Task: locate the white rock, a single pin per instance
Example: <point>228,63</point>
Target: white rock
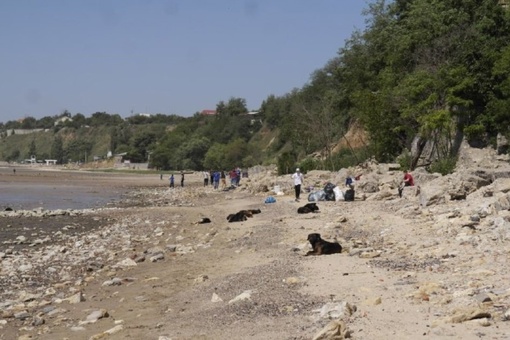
<point>246,295</point>
<point>215,298</point>
<point>127,263</point>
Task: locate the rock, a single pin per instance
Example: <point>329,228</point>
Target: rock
<point>201,279</point>
<point>246,295</point>
<point>154,251</point>
<point>466,315</point>
<point>483,298</point>
<point>27,297</point>
<point>37,321</point>
<point>127,263</point>
<point>104,334</point>
<point>113,282</point>
<point>292,280</point>
<point>157,257</point>
<point>21,239</point>
<point>369,254</point>
<point>94,316</point>
<point>138,258</point>
<point>336,310</point>
<point>25,268</point>
<point>171,247</point>
<point>215,298</point>
<point>335,330</point>
<point>373,301</point>
<point>76,298</point>
<point>22,315</point>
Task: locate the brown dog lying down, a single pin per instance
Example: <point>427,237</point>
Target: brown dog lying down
<point>242,215</point>
<point>308,208</point>
<point>321,247</point>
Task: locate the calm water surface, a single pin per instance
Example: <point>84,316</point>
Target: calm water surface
<point>27,189</point>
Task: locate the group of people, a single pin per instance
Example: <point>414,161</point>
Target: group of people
<point>235,177</point>
<point>407,181</point>
<point>172,180</point>
<point>217,177</point>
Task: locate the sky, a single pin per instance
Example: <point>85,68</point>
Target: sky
<point>162,56</point>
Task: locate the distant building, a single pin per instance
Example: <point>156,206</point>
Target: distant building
<point>62,120</point>
<point>208,112</point>
<point>144,114</point>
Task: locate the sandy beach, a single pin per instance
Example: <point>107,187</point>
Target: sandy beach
<point>145,269</point>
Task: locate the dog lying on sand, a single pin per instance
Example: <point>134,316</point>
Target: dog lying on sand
<point>308,208</point>
<point>242,215</point>
<point>322,247</point>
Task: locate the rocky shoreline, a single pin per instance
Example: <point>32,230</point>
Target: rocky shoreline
<point>433,263</point>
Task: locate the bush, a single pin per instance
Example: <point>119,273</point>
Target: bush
<point>476,135</point>
<point>405,160</point>
<point>308,164</point>
<point>345,158</point>
<point>443,166</point>
<point>286,163</point>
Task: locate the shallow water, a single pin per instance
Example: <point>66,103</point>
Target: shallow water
<point>19,196</point>
<point>30,190</point>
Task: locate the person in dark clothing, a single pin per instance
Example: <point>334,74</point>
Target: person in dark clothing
<point>182,179</point>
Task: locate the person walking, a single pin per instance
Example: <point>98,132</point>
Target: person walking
<point>206,178</point>
<point>298,181</point>
<point>216,179</point>
<point>182,179</point>
<point>238,174</point>
<point>223,180</point>
<point>171,180</point>
<point>233,177</point>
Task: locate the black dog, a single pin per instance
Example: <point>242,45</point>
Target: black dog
<point>237,217</point>
<point>242,215</point>
<point>308,208</point>
<point>321,247</point>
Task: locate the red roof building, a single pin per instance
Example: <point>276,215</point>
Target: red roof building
<point>208,112</point>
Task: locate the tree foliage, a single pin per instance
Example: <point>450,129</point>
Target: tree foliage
<point>427,70</point>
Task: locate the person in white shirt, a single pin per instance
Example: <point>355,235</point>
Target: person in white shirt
<point>298,181</point>
<point>206,178</point>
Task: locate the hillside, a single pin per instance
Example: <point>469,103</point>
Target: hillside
<point>82,144</point>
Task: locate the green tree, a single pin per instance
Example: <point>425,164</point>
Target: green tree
<point>32,149</point>
<point>234,107</point>
<point>14,156</point>
<point>191,153</point>
<point>57,150</point>
<point>215,157</point>
<point>29,123</point>
<point>46,122</point>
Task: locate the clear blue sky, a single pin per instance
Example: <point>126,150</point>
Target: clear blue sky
<point>162,56</point>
